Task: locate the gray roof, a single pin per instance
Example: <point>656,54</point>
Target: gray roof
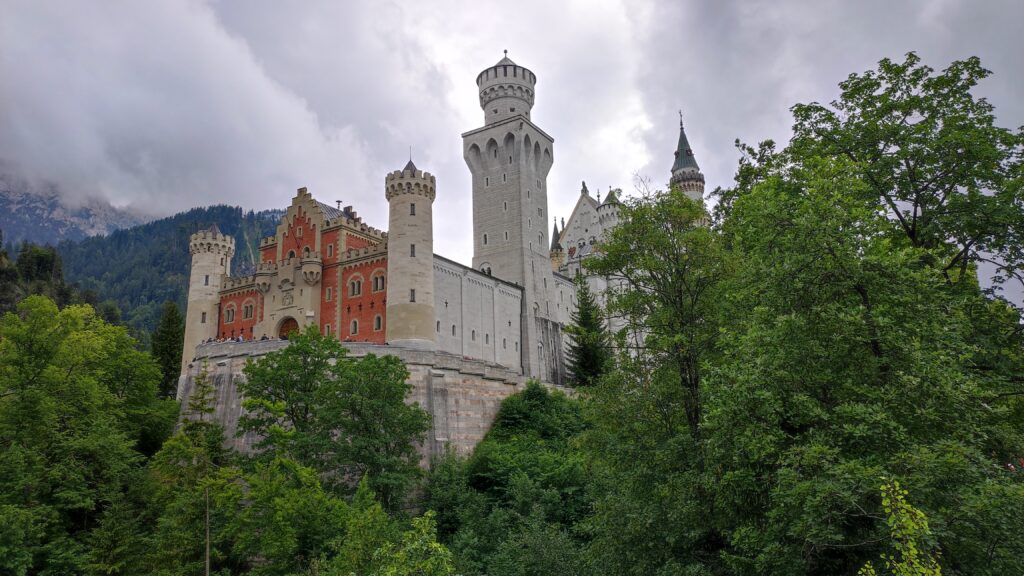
<point>409,166</point>
<point>505,61</point>
<point>330,212</point>
<point>554,238</point>
<point>684,154</point>
<point>611,198</point>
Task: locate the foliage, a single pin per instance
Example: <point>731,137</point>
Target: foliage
<point>417,554</point>
<point>589,351</point>
<point>344,417</point>
<point>77,402</point>
<point>167,342</point>
<point>512,506</point>
<point>908,529</point>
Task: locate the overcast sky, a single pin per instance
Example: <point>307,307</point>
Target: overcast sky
<point>163,105</point>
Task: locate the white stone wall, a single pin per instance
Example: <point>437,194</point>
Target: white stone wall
<point>484,311</point>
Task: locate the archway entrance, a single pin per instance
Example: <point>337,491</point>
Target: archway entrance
<point>288,325</point>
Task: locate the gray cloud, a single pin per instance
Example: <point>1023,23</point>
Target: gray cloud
<point>166,105</point>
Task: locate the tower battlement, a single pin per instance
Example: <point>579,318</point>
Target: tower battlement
<point>410,181</point>
<point>211,240</point>
<point>506,90</point>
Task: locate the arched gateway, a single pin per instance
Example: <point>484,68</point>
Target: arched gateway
<point>288,325</point>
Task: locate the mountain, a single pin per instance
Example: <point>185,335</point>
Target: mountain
<point>34,212</point>
<point>143,266</point>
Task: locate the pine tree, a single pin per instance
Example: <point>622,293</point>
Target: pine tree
<point>167,342</point>
<point>589,352</point>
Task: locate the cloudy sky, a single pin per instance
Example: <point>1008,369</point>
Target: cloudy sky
<point>165,105</point>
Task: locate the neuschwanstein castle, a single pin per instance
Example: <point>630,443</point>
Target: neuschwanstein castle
<point>470,336</point>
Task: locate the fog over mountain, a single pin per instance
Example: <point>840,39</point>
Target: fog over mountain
<point>161,106</point>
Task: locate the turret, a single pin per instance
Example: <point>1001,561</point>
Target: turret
<point>506,90</point>
<point>608,211</point>
<point>685,172</point>
<point>410,281</point>
<point>557,253</point>
<point>211,263</point>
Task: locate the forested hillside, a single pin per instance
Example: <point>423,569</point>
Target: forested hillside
<point>140,268</point>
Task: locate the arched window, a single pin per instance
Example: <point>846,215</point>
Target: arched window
<point>305,252</point>
<point>229,314</point>
<point>473,335</point>
<point>487,338</point>
<point>438,327</point>
<point>355,287</point>
<point>327,329</point>
<point>453,329</point>
<point>291,254</point>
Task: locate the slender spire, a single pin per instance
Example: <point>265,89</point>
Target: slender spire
<point>555,245</point>
<point>684,154</point>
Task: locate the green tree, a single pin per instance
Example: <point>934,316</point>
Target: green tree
<point>344,417</point>
<point>167,342</point>
<point>76,400</point>
<point>589,351</point>
<point>417,554</point>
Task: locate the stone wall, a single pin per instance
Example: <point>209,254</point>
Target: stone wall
<point>462,395</point>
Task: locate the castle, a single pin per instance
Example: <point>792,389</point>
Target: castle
<point>470,336</point>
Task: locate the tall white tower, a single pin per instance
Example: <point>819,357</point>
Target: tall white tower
<point>509,158</point>
<point>410,312</point>
<point>211,263</point>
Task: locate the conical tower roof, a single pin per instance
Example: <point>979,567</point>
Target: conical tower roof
<point>684,154</point>
<point>555,245</point>
<point>409,166</point>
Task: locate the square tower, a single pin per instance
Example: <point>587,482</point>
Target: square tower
<point>509,159</point>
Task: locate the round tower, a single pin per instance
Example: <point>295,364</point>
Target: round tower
<point>506,90</point>
<point>410,284</point>
<point>608,212</point>
<point>211,263</point>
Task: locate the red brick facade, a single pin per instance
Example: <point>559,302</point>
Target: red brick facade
<point>239,312</point>
<point>367,307</point>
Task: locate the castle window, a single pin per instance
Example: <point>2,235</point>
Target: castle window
<point>247,311</point>
<point>487,181</point>
<point>378,323</point>
<point>327,329</point>
<point>510,156</point>
<point>299,232</point>
<point>378,282</point>
<point>206,280</point>
<point>527,193</point>
<point>330,293</point>
<point>412,209</point>
<point>291,254</point>
<point>495,150</point>
<point>412,294</point>
<point>504,206</point>
<point>438,329</point>
<point>453,329</point>
<point>473,335</point>
<point>305,252</point>
<point>512,109</point>
<point>485,239</point>
<point>355,287</point>
<point>504,343</point>
<point>354,328</point>
<point>221,261</point>
<point>203,319</point>
<point>412,250</point>
<point>517,346</point>
<point>503,177</point>
<point>487,338</point>
<point>229,315</point>
<point>495,111</point>
<point>330,250</point>
<point>506,236</point>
